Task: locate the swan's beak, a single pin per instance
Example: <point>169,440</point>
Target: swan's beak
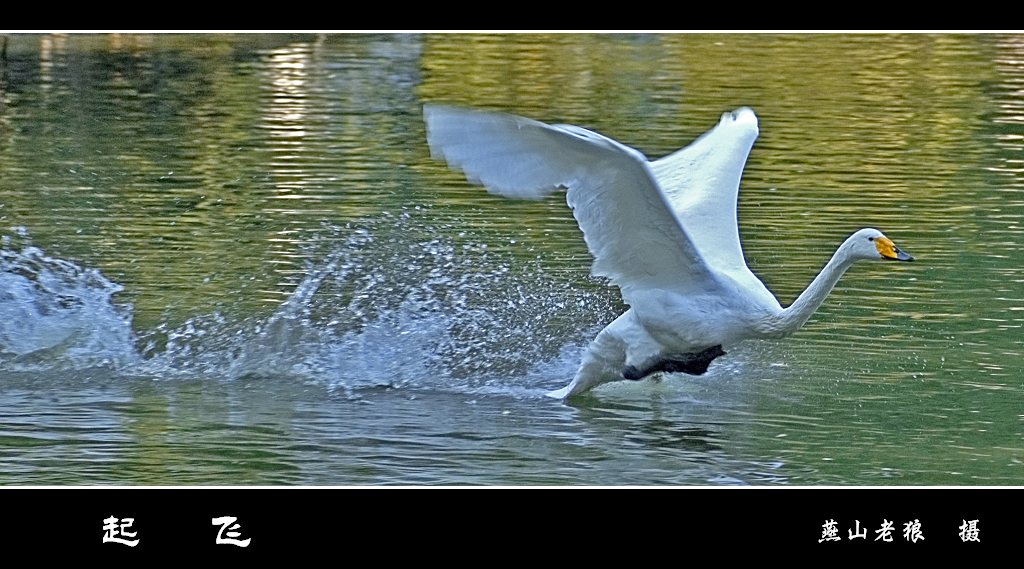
<point>888,250</point>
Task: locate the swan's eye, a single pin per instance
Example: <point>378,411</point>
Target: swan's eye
<point>871,238</point>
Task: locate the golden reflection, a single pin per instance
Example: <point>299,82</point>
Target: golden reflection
<point>50,47</point>
<point>1009,61</point>
<point>286,73</point>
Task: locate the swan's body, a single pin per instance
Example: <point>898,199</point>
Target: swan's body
<point>665,232</point>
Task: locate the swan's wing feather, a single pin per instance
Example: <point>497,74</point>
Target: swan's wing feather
<point>702,182</point>
<point>636,239</point>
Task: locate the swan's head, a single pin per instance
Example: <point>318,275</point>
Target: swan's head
<point>872,244</point>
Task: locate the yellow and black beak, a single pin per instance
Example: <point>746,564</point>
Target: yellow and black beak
<point>888,250</point>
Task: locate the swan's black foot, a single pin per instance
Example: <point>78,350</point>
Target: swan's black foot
<point>694,364</point>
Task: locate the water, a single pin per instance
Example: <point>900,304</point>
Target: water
<point>230,260</point>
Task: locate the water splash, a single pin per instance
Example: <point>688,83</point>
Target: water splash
<point>373,311</point>
<point>417,312</point>
<point>57,315</point>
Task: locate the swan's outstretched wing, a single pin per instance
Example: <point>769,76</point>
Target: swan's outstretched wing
<point>636,239</point>
<point>702,182</point>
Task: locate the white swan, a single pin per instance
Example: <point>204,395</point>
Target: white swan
<point>664,232</point>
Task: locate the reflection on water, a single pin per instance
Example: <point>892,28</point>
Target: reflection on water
<point>230,260</point>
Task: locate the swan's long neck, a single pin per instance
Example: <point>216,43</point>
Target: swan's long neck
<point>795,315</point>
